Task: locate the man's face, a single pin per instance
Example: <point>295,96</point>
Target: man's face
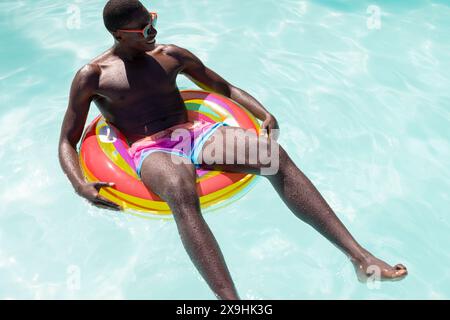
<point>136,40</point>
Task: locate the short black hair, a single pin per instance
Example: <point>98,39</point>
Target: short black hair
<point>118,13</point>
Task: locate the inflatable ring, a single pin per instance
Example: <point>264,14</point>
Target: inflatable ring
<point>104,157</point>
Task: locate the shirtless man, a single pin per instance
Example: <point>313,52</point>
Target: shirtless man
<point>134,86</point>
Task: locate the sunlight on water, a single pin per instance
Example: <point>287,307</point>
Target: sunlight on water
<point>361,93</point>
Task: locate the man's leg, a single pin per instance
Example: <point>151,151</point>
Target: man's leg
<point>176,184</point>
<point>297,192</point>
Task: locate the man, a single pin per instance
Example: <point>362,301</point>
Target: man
<point>134,86</point>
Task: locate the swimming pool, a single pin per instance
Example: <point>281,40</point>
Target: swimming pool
<point>361,93</point>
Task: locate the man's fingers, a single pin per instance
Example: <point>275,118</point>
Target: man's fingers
<point>99,185</point>
<point>263,126</point>
<point>102,206</point>
<point>264,131</point>
<point>105,184</point>
<point>103,201</point>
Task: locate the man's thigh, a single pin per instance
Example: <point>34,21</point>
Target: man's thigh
<point>235,149</point>
<point>163,172</point>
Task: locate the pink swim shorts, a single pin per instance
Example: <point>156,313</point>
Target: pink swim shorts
<point>184,143</point>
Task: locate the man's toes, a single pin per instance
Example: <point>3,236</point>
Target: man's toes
<point>399,267</point>
<point>400,271</point>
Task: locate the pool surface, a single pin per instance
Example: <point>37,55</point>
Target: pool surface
<point>361,92</point>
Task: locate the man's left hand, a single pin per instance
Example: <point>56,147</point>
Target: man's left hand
<point>271,125</point>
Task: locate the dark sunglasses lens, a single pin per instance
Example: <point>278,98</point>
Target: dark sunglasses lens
<point>147,31</point>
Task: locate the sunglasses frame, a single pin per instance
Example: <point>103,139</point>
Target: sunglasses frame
<point>146,31</point>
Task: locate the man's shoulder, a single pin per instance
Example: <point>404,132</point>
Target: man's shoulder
<point>92,69</point>
<point>88,76</point>
<point>172,47</point>
<point>89,70</point>
<point>174,50</point>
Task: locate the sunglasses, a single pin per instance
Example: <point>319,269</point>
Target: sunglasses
<point>146,31</point>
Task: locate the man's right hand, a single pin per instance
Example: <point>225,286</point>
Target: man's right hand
<point>90,191</point>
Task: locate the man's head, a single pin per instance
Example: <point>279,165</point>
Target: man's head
<point>121,16</point>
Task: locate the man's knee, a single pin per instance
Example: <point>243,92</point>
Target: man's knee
<point>257,152</point>
<point>178,189</point>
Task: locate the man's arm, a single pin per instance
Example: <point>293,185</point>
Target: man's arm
<point>81,94</point>
<point>207,79</point>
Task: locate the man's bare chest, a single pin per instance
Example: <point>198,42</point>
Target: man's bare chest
<point>145,78</point>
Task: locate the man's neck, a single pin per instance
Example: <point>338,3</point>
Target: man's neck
<point>127,53</point>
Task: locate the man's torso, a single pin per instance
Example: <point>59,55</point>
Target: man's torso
<point>140,97</point>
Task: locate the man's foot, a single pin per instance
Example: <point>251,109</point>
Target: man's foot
<point>378,270</point>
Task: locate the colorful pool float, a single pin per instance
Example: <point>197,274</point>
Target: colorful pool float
<point>104,157</point>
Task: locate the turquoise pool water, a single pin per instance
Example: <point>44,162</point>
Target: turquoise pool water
<point>361,91</point>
